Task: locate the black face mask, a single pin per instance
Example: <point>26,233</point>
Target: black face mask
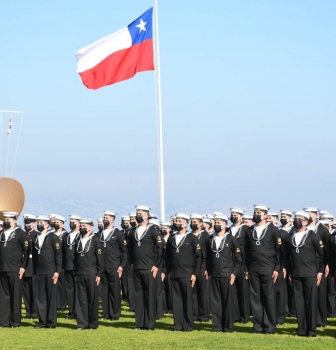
<point>100,227</point>
<point>57,227</point>
<point>203,228</point>
<point>83,231</point>
<point>106,223</point>
<point>233,219</point>
<point>125,227</point>
<point>179,227</point>
<point>174,226</point>
<point>163,232</point>
<point>284,222</point>
<point>52,224</point>
<point>217,228</point>
<point>28,228</point>
<point>194,227</point>
<point>297,223</point>
<point>40,228</point>
<point>257,218</point>
<point>139,219</point>
<point>72,226</point>
<point>133,224</point>
<point>7,225</point>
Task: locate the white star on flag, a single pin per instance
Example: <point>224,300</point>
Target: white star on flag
<point>141,26</point>
<point>10,126</point>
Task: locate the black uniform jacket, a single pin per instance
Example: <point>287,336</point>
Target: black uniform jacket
<point>263,257</point>
<point>323,232</point>
<point>89,259</point>
<point>13,253</point>
<point>187,261</point>
<point>114,249</point>
<point>148,252</point>
<point>30,269</point>
<point>47,259</point>
<point>225,260</point>
<point>203,238</point>
<point>240,237</point>
<point>68,251</point>
<point>332,253</point>
<point>308,261</point>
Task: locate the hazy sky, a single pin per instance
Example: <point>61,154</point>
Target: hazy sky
<point>249,106</point>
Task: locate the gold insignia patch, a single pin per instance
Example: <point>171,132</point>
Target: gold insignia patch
<point>159,239</point>
<point>99,251</point>
<point>125,242</point>
<point>321,242</point>
<point>198,246</point>
<point>237,250</point>
<point>279,240</point>
<point>227,244</point>
<point>57,246</point>
<point>26,243</point>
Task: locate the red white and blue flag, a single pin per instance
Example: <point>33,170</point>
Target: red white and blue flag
<point>118,56</point>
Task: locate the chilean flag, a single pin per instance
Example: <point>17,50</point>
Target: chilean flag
<point>118,56</point>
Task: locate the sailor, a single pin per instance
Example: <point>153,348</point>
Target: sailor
<point>52,222</point>
<point>13,262</point>
<point>183,263</point>
<point>241,286</point>
<point>212,222</point>
<point>166,284</point>
<point>304,265</point>
<point>262,259</point>
<point>47,262</point>
<point>224,263</point>
<point>273,217</point>
<point>100,223</point>
<point>126,227</point>
<point>29,293</point>
<point>1,226</point>
<point>113,245</point>
<point>60,232</point>
<point>68,250</point>
<point>129,270</point>
<point>323,213</point>
<point>133,221</point>
<point>207,225</point>
<point>89,265</point>
<point>201,290</point>
<point>248,220</point>
<point>145,256</point>
<point>173,224</point>
<point>324,234</point>
<point>332,258</point>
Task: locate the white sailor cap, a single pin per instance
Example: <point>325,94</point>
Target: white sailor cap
<point>262,207</point>
<point>155,222</point>
<point>222,217</point>
<point>52,215</point>
<point>173,217</point>
<point>125,218</point>
<point>142,207</point>
<point>302,213</point>
<point>29,217</point>
<point>153,216</point>
<point>60,218</point>
<point>110,213</point>
<point>165,223</point>
<point>1,223</point>
<point>210,216</point>
<point>324,222</point>
<point>328,216</point>
<point>74,217</point>
<point>273,213</point>
<point>9,214</point>
<point>311,209</point>
<point>247,217</point>
<point>86,221</point>
<point>132,215</point>
<point>196,216</point>
<point>206,220</point>
<point>182,216</point>
<point>322,212</point>
<point>237,210</point>
<point>217,213</point>
<point>43,218</point>
<point>286,212</point>
<point>100,220</point>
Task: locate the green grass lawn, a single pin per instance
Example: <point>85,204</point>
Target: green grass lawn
<point>120,335</point>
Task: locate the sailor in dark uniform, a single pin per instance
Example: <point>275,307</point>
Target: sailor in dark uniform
<point>248,220</point>
<point>241,286</point>
<point>52,222</point>
<point>224,263</point>
<point>183,263</point>
<point>207,225</point>
<point>201,290</point>
<point>126,227</point>
<point>332,253</point>
<point>262,259</point>
<point>100,223</point>
<point>115,259</point>
<point>68,250</point>
<point>60,232</point>
<point>303,259</point>
<point>145,254</point>
<point>29,293</point>
<point>47,262</point>
<point>13,262</point>
<point>89,265</point>
<point>129,270</point>
<point>324,234</point>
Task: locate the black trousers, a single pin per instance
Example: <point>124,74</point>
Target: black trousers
<point>221,305</point>
<point>145,299</point>
<point>46,301</point>
<point>130,287</point>
<point>29,295</point>
<point>183,308</point>
<point>124,286</point>
<point>11,297</point>
<point>111,294</point>
<point>167,295</point>
<point>322,302</point>
<point>262,292</point>
<point>159,295</point>
<point>290,298</point>
<point>61,296</point>
<point>201,309</point>
<point>331,301</point>
<point>241,298</point>
<point>70,288</point>
<point>306,304</point>
<point>87,297</point>
<point>281,299</point>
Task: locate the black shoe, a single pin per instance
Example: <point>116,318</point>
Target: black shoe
<point>53,327</point>
<point>103,319</point>
<point>114,318</point>
<point>69,317</point>
<point>137,329</point>
<point>80,329</point>
<point>39,327</point>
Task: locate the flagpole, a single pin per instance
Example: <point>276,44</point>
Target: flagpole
<point>0,141</point>
<point>9,138</point>
<point>159,113</point>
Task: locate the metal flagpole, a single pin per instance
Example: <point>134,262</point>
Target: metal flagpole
<point>159,114</point>
<point>0,141</point>
<point>9,139</point>
<point>17,145</point>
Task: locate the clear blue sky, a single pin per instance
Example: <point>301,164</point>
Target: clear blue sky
<point>248,106</point>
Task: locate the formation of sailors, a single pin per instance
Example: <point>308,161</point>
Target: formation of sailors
<point>226,273</point>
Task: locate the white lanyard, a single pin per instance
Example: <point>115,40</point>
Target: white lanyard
<point>88,243</point>
<point>303,240</point>
<point>221,245</point>
<point>178,246</point>
<point>103,240</point>
<point>142,236</point>
<point>262,234</point>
